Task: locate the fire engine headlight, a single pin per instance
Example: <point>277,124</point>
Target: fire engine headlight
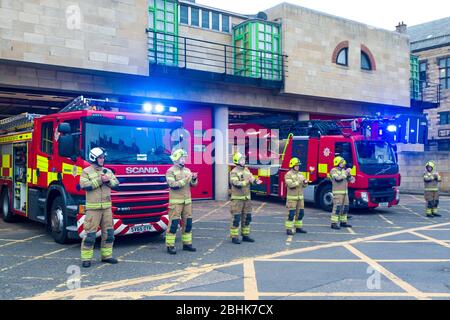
<point>365,196</point>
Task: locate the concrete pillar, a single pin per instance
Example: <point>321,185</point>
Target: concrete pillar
<point>302,116</point>
<point>221,152</point>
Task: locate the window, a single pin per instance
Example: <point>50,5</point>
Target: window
<point>205,19</point>
<point>423,71</point>
<point>47,138</point>
<point>215,21</point>
<point>342,57</point>
<point>444,118</point>
<point>195,17</point>
<point>444,73</point>
<point>365,61</point>
<point>184,17</point>
<point>344,150</point>
<point>225,23</point>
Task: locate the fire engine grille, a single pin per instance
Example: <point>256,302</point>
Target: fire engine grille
<point>382,196</point>
<point>140,199</point>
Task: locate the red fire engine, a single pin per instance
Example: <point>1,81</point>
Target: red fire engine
<point>362,142</point>
<point>42,158</point>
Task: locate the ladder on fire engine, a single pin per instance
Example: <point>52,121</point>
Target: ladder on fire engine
<point>81,103</point>
<point>20,122</point>
<point>313,128</point>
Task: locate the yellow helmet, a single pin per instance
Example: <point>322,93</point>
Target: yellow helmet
<point>337,160</point>
<point>431,164</point>
<point>177,154</point>
<point>236,157</point>
<point>294,162</point>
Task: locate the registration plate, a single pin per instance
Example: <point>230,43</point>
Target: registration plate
<point>140,229</point>
<point>384,205</point>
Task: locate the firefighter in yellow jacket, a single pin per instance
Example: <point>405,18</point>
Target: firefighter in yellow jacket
<point>241,208</point>
<point>295,203</point>
<point>180,180</point>
<point>340,177</point>
<point>431,180</point>
<point>98,182</point>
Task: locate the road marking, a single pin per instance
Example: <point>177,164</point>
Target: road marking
<point>250,282</point>
<point>211,212</point>
<point>351,231</point>
<point>386,219</point>
<point>354,260</point>
<point>439,242</point>
<point>260,207</point>
<point>21,241</point>
<point>395,279</point>
<point>92,290</point>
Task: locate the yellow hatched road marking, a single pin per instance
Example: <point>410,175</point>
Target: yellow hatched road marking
<point>250,284</point>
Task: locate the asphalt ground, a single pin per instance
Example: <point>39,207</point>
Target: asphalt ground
<point>395,253</point>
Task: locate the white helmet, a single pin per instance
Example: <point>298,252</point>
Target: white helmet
<point>95,153</point>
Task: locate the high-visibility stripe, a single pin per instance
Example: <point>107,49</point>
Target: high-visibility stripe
<point>353,171</point>
<point>186,238</point>
<point>6,161</point>
<point>170,239</point>
<point>340,192</point>
<point>240,197</point>
<point>432,189</point>
<point>180,201</point>
<point>29,175</point>
<point>35,177</point>
<point>334,218</point>
<point>264,172</point>
<point>245,231</point>
<point>323,168</point>
<point>51,176</point>
<point>71,169</point>
<point>106,252</point>
<point>343,218</point>
<point>299,224</point>
<point>97,206</point>
<point>295,198</point>
<point>87,255</point>
<point>234,232</point>
<point>16,138</point>
<point>289,224</point>
<point>42,164</point>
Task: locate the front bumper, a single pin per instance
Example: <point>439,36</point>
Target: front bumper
<point>371,199</point>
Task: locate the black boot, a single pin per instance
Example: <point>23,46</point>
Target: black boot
<point>110,261</point>
<point>171,250</point>
<point>345,225</point>
<point>436,215</point>
<point>247,239</point>
<point>300,230</point>
<point>236,240</point>
<point>86,264</point>
<point>289,232</point>
<point>335,226</point>
<point>188,247</point>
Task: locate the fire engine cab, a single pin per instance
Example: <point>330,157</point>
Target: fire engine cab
<point>42,157</point>
<point>363,143</point>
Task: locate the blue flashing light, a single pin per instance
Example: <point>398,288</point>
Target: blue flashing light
<point>159,108</point>
<point>147,107</point>
<point>173,109</point>
<point>392,128</point>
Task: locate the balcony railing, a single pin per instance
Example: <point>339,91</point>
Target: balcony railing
<point>425,94</point>
<point>212,57</point>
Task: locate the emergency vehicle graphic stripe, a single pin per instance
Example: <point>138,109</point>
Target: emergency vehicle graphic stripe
<point>323,168</point>
<point>16,138</point>
<point>6,166</point>
<point>42,164</point>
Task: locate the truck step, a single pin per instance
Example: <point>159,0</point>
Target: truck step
<point>72,228</point>
<point>41,218</point>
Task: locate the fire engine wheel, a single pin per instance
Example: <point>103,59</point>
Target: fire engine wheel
<point>58,221</point>
<point>326,198</point>
<point>7,215</point>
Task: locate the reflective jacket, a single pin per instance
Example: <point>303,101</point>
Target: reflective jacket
<point>180,181</point>
<point>295,182</point>
<point>431,181</point>
<point>240,186</point>
<point>339,179</point>
<point>98,194</point>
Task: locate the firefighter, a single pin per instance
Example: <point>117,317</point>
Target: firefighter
<point>98,182</point>
<point>295,182</point>
<point>180,180</point>
<point>241,208</point>
<point>340,177</point>
<point>431,179</point>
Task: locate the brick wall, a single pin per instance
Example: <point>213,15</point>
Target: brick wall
<point>104,35</point>
<point>310,38</point>
<point>412,168</point>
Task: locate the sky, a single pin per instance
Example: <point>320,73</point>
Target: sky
<point>385,14</point>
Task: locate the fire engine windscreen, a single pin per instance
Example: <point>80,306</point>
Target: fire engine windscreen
<point>375,153</point>
<point>130,144</point>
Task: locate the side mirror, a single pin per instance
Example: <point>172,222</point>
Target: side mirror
<point>64,128</point>
<point>66,146</point>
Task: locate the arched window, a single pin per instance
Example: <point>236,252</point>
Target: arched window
<point>340,54</point>
<point>365,61</point>
<point>342,57</point>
